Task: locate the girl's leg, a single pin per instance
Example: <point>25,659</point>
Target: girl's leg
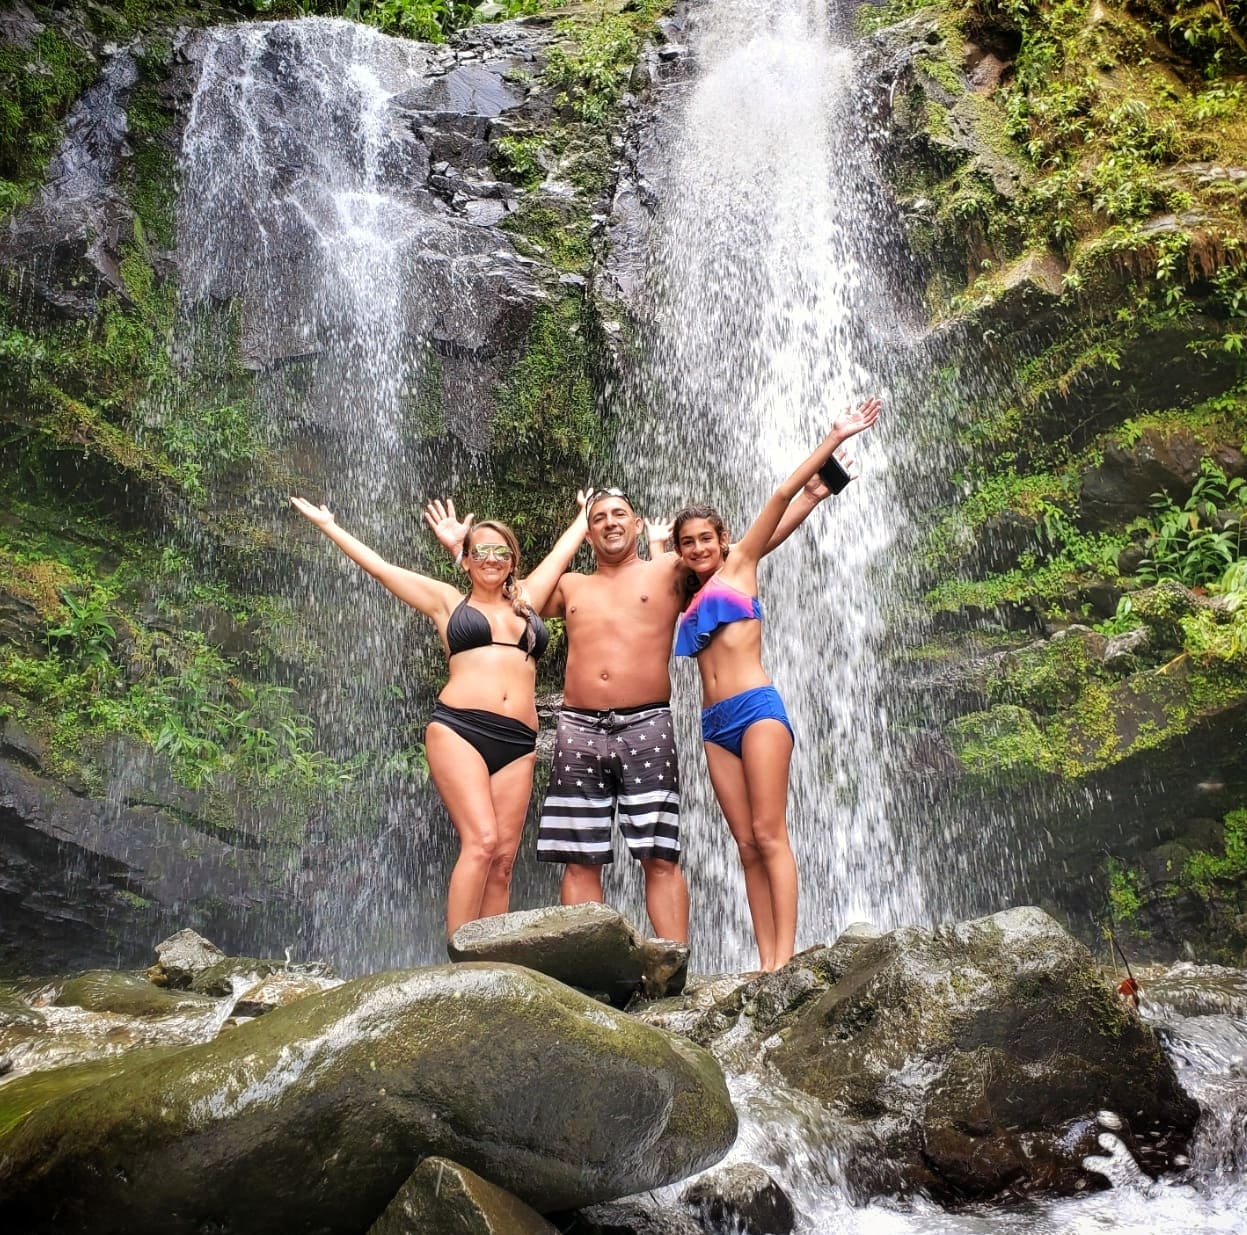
<point>727,775</point>
<point>460,776</point>
<point>767,751</point>
<point>510,788</point>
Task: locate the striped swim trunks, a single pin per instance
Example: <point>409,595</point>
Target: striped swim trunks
<point>603,761</point>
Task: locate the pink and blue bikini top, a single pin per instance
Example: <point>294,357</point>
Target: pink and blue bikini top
<point>717,604</point>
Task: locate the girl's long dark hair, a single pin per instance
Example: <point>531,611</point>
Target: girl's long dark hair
<point>690,585</point>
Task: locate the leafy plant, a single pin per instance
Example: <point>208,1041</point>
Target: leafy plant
<point>1189,543</point>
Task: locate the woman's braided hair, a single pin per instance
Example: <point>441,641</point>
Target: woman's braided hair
<point>511,588</point>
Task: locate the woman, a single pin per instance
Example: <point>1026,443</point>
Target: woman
<point>482,735</point>
<point>747,735</point>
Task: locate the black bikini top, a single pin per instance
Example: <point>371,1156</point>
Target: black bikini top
<point>469,628</point>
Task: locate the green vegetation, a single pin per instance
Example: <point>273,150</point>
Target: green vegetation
<point>429,21</point>
<point>1125,891</point>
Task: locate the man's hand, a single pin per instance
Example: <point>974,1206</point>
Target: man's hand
<point>446,526</point>
<point>657,533</point>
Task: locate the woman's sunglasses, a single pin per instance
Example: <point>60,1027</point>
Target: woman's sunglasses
<point>482,553</point>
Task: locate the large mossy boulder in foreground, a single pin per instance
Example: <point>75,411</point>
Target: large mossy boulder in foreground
<point>312,1117</point>
<point>973,1060</point>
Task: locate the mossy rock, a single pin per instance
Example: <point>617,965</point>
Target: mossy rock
<point>312,1116</point>
<point>980,1054</point>
<point>106,990</point>
<point>445,1197</point>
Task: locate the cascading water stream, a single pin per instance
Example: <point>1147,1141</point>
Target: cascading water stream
<point>767,320</point>
<point>298,212</point>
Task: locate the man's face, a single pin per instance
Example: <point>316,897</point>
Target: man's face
<point>613,529</point>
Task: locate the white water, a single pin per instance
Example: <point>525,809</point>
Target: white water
<point>802,1147</point>
<point>302,219</point>
<point>766,323</point>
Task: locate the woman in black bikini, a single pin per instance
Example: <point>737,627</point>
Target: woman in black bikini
<point>482,734</point>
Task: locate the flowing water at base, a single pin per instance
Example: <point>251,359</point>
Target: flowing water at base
<point>802,1148</point>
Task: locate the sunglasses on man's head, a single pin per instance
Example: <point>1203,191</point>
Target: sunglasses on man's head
<point>599,495</point>
<point>482,553</point>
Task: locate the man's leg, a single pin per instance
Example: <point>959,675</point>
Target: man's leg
<point>666,898</point>
<point>580,884</point>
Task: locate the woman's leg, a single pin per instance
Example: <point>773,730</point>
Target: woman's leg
<point>727,775</point>
<point>461,777</point>
<point>510,788</point>
<point>767,751</point>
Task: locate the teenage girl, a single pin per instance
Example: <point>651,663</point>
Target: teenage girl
<point>482,735</point>
<point>745,728</point>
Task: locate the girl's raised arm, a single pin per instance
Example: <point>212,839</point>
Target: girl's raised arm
<point>428,596</point>
<point>758,539</point>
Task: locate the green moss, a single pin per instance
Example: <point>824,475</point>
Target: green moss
<point>547,424</point>
<point>1004,746</point>
<point>37,87</point>
<point>554,229</point>
<point>1210,873</point>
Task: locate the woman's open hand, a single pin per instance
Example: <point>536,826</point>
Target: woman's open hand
<point>853,422</point>
<point>321,516</point>
<point>448,529</point>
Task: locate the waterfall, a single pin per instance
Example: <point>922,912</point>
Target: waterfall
<point>306,244</point>
<point>767,317</point>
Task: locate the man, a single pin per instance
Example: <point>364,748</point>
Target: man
<point>615,741</point>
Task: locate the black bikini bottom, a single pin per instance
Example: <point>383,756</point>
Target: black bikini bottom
<point>498,740</point>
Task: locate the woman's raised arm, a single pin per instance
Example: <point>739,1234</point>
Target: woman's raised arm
<point>545,576</point>
<point>428,596</point>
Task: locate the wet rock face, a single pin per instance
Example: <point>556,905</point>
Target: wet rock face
<point>742,1198</point>
<point>85,883</point>
<point>1124,483</point>
<point>973,1059</point>
<point>445,1197</point>
<point>312,1116</point>
<point>590,947</point>
<point>427,118</point>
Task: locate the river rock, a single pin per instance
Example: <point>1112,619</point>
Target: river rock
<point>279,989</point>
<point>181,958</point>
<point>443,1197</point>
<point>630,1218</point>
<point>591,947</point>
<point>107,990</point>
<point>742,1198</point>
<point>312,1116</point>
<point>219,979</point>
<point>999,1042</point>
<point>972,1059</point>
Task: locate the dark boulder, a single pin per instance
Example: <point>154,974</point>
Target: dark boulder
<point>1122,484</point>
<point>590,947</point>
<point>972,1060</point>
<point>742,1198</point>
<point>630,1218</point>
<point>443,1197</point>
